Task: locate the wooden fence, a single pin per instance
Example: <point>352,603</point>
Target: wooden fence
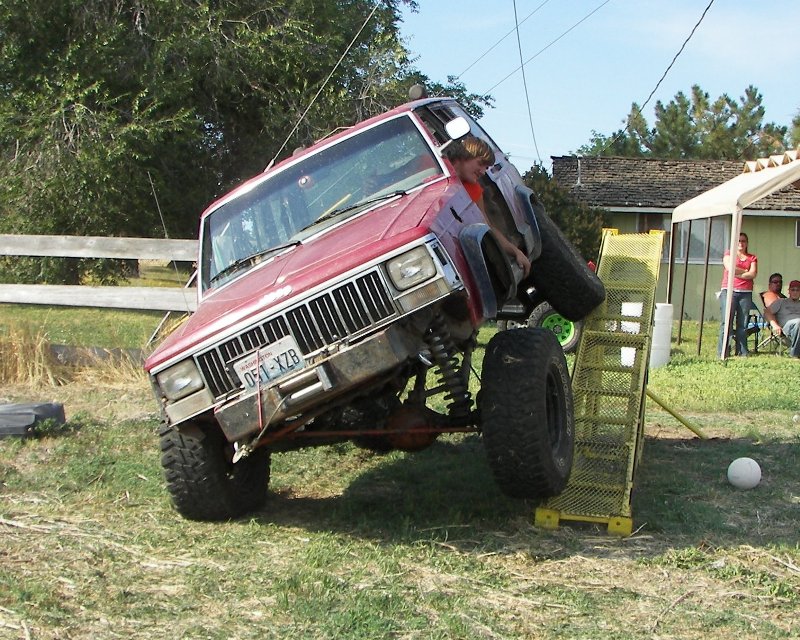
<point>152,298</point>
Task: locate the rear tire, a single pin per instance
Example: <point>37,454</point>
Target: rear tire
<point>202,479</point>
<point>561,275</point>
<point>567,332</point>
<point>527,413</point>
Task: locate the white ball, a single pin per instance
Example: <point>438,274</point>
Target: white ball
<point>796,418</point>
<point>744,473</point>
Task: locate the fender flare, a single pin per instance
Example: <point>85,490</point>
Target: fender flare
<point>533,239</point>
<point>491,269</point>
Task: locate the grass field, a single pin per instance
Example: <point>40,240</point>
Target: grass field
<point>355,545</point>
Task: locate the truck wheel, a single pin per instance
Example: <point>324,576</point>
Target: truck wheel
<point>567,332</point>
<point>526,411</point>
<point>203,481</point>
<point>561,275</point>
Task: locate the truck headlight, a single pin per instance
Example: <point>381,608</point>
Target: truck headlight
<point>411,268</point>
<point>180,380</point>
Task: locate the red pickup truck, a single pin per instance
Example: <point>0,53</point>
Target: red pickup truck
<point>340,297</point>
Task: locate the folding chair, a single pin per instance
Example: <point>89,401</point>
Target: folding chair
<point>772,343</point>
<point>756,323</point>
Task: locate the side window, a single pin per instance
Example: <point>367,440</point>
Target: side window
<point>475,129</point>
<point>434,124</point>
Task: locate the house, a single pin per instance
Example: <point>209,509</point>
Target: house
<point>640,194</point>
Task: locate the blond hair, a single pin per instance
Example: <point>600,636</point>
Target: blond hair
<point>471,147</point>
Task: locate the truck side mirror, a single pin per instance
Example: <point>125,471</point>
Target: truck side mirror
<point>457,128</point>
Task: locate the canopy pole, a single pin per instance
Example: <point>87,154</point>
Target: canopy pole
<point>705,284</point>
<point>685,275</point>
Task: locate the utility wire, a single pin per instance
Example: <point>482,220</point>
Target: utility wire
<point>485,53</point>
<point>546,47</point>
<point>664,75</point>
<point>525,84</point>
<point>324,84</point>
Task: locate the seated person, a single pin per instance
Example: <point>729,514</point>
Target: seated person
<point>471,157</point>
<point>773,291</point>
<point>784,317</point>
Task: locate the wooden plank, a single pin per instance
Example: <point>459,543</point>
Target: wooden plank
<point>99,247</point>
<point>151,298</point>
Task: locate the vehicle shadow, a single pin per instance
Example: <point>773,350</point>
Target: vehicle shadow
<point>446,495</point>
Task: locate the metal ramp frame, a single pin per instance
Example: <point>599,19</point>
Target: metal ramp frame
<point>609,382</point>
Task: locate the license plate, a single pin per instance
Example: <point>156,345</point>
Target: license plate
<point>269,363</point>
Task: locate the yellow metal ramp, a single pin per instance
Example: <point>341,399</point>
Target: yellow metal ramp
<point>609,381</point>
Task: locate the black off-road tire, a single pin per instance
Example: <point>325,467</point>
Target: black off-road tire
<point>201,478</point>
<point>527,413</point>
<point>561,275</point>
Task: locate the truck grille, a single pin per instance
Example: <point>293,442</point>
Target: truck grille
<point>346,310</point>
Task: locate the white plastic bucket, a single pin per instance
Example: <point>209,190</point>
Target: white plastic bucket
<point>662,335</point>
<point>628,354</point>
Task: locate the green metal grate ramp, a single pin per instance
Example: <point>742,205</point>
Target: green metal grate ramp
<point>608,384</point>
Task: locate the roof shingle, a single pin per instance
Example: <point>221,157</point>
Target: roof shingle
<point>612,181</point>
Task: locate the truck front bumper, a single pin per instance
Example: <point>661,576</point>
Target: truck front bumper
<point>350,367</point>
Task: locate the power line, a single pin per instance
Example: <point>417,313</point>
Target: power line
<point>485,53</point>
<point>324,84</point>
<point>525,84</point>
<point>680,51</point>
<point>664,75</point>
<point>546,47</point>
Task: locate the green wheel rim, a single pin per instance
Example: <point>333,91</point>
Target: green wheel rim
<point>558,324</point>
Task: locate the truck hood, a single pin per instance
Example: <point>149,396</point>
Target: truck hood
<point>335,251</point>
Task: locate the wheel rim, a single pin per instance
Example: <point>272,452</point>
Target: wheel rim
<point>559,325</point>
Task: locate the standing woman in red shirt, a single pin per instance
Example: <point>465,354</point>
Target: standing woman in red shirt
<point>745,271</point>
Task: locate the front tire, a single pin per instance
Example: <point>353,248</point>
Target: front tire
<point>201,478</point>
<point>561,275</point>
<point>527,413</point>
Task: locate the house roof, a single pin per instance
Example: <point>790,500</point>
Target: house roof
<point>614,182</point>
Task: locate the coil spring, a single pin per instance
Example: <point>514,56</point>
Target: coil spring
<point>443,353</point>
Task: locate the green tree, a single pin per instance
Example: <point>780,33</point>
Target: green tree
<point>581,224</point>
<point>104,105</point>
<point>794,136</point>
<point>696,127</point>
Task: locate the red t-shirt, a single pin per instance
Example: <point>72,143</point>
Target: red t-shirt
<point>474,190</point>
<point>739,284</point>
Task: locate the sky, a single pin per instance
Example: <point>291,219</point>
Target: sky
<point>587,61</point>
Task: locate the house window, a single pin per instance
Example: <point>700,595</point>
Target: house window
<point>720,230</point>
<point>797,233</point>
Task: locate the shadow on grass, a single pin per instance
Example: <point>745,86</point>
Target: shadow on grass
<point>447,494</point>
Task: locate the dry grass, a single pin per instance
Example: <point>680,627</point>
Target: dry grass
<point>25,358</point>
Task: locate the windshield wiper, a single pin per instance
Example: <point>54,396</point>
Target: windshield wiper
<point>357,205</point>
<point>247,260</point>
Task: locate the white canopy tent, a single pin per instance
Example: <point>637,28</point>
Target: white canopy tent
<point>759,179</point>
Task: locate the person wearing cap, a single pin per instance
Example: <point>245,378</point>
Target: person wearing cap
<point>783,316</point>
<point>773,292</point>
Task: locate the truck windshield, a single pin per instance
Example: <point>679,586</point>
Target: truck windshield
<point>304,197</point>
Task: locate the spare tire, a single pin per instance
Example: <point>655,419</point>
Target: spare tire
<point>561,275</point>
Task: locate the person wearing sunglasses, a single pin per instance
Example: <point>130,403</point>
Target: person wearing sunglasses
<point>783,316</point>
<point>773,291</point>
